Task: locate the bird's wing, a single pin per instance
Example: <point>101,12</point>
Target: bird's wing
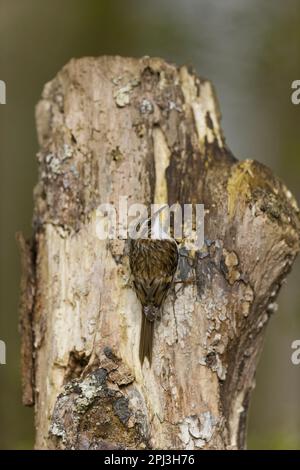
<point>154,292</point>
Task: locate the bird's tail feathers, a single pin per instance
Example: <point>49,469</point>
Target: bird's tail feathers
<point>146,339</point>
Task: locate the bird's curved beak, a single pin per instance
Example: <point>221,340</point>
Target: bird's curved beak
<point>156,213</point>
<point>151,221</point>
<point>157,223</point>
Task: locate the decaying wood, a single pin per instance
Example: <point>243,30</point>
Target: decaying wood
<point>110,127</point>
<point>27,295</point>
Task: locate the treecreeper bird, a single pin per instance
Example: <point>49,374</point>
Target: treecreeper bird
<point>153,263</point>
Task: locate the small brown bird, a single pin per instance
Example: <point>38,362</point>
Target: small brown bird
<point>153,263</point>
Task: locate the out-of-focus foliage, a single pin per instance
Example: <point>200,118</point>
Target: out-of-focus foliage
<point>250,50</point>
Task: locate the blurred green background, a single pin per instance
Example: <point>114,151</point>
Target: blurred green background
<point>250,49</point>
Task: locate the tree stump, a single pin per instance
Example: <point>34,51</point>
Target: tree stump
<point>142,128</point>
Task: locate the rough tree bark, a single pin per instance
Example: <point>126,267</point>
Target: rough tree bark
<point>110,127</point>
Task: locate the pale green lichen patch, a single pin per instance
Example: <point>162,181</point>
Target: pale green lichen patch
<point>197,430</point>
<point>123,93</point>
<point>239,185</point>
<point>146,106</point>
<point>57,431</point>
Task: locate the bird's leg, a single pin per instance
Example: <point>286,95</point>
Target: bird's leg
<point>186,281</point>
<point>191,280</point>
